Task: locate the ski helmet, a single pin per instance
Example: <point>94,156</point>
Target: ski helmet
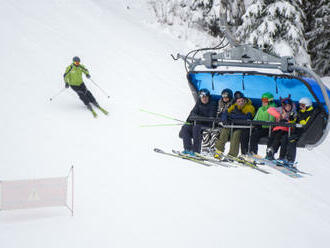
<point>76,59</point>
<point>227,93</point>
<point>204,92</point>
<point>238,95</point>
<point>306,100</point>
<point>269,96</point>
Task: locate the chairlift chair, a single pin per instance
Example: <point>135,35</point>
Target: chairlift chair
<point>254,72</point>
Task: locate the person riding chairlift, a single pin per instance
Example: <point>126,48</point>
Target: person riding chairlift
<point>259,131</point>
<point>305,114</point>
<point>210,135</point>
<point>191,133</point>
<point>242,109</point>
<point>279,135</point>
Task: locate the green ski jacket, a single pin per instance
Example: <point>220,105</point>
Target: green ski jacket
<point>73,74</point>
<point>263,115</point>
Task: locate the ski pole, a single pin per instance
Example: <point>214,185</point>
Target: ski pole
<point>161,115</point>
<point>58,93</point>
<point>104,92</point>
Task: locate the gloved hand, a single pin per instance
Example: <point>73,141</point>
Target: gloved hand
<point>66,85</point>
<point>236,111</point>
<point>236,116</point>
<point>293,138</point>
<point>224,117</point>
<point>291,116</point>
<point>88,76</point>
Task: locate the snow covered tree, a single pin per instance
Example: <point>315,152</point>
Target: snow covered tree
<point>276,26</point>
<point>177,11</point>
<point>234,11</point>
<point>317,26</point>
<point>200,14</point>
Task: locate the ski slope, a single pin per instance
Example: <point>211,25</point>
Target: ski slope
<point>125,194</point>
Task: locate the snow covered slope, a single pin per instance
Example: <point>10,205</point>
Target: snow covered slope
<point>126,195</point>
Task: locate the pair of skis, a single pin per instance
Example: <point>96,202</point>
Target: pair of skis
<point>243,161</point>
<point>226,161</point>
<point>280,166</point>
<point>199,159</point>
<point>237,160</point>
<point>100,108</point>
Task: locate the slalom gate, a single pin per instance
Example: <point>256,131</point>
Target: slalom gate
<point>37,193</point>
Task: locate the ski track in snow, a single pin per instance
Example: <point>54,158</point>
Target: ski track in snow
<point>126,195</point>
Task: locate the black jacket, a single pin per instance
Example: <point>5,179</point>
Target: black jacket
<point>203,110</point>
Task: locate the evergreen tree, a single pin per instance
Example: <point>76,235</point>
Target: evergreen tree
<point>317,27</point>
<point>235,11</point>
<point>276,26</point>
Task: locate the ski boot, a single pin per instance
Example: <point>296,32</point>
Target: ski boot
<point>218,154</point>
<point>270,153</point>
<point>188,153</point>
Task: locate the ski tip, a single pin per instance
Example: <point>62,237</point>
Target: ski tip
<point>103,110</point>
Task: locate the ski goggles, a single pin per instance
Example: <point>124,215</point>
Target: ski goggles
<point>202,94</point>
<point>76,62</point>
<point>302,105</point>
<point>264,100</point>
<point>225,95</point>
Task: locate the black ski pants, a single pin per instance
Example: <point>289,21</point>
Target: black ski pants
<point>291,151</point>
<point>257,134</point>
<point>292,145</point>
<point>84,94</point>
<point>278,138</point>
<point>192,137</point>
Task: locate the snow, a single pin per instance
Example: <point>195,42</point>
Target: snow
<point>283,48</point>
<point>125,194</point>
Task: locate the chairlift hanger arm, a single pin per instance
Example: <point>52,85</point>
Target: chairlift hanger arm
<point>223,24</point>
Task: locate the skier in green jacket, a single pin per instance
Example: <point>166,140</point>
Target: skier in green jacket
<point>73,78</point>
